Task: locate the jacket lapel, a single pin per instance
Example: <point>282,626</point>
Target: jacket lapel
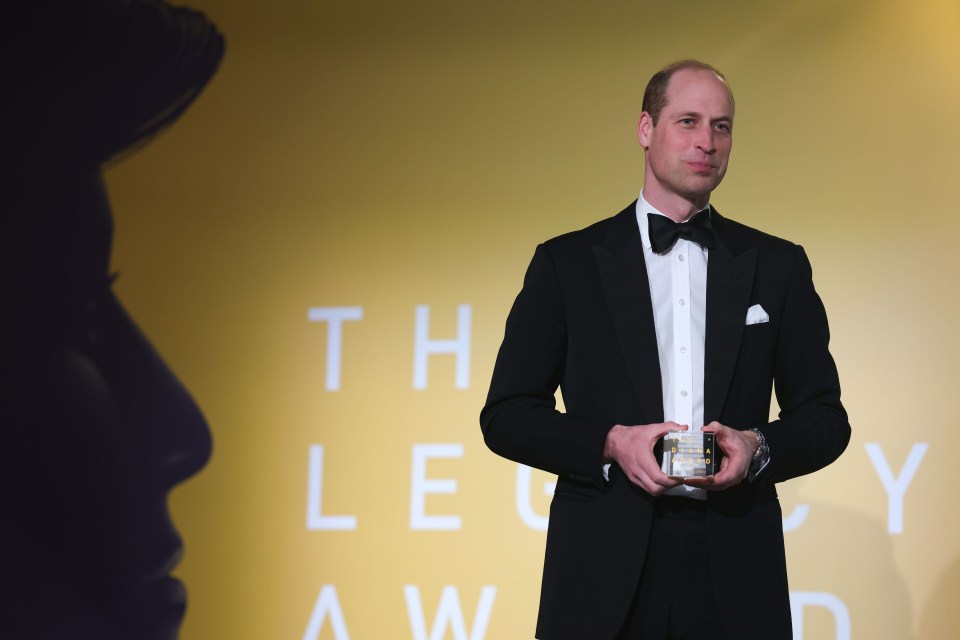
<point>624,276</point>
<point>730,278</point>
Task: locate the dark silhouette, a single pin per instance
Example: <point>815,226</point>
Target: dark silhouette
<point>94,428</point>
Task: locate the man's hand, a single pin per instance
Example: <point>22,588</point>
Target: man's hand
<point>738,448</point>
<point>631,447</point>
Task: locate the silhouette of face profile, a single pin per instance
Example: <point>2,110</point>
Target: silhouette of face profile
<point>94,428</point>
<point>97,431</point>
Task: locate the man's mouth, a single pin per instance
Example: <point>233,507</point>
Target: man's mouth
<point>702,167</point>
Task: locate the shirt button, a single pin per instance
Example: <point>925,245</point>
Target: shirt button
<point>683,349</point>
<point>680,258</point>
<point>682,302</point>
<point>683,393</point>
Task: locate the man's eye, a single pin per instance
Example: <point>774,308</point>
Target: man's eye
<point>687,121</point>
<point>723,126</point>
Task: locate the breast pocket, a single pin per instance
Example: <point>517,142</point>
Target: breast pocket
<point>761,331</point>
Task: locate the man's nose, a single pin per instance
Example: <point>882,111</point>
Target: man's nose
<point>705,141</point>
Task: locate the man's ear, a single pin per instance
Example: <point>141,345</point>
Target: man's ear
<point>644,130</point>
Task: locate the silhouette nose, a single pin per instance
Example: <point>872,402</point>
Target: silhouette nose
<point>172,430</point>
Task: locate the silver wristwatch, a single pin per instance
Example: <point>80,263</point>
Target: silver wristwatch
<point>761,457</point>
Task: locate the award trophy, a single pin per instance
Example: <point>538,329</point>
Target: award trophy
<point>690,454</point>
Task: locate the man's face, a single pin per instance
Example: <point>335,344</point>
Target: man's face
<point>688,148</point>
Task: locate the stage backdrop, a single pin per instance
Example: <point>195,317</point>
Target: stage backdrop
<point>326,247</point>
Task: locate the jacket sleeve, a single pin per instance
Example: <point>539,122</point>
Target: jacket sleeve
<point>812,430</point>
<point>520,420</point>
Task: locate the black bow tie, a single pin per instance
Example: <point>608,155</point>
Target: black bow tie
<point>664,231</point>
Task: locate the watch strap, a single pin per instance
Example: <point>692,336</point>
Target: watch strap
<point>761,457</point>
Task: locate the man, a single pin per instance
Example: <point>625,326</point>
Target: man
<point>665,317</point>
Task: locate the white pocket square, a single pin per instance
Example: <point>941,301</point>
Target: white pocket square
<point>756,315</point>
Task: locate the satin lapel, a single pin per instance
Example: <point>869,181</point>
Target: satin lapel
<point>624,276</point>
<point>729,283</point>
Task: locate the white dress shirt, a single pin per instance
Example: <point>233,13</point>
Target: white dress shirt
<point>678,290</point>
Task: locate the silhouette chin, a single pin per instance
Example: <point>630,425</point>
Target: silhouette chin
<point>159,609</point>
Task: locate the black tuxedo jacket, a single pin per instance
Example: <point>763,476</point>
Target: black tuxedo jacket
<point>584,322</point>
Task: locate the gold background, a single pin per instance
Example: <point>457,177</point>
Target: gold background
<point>388,155</point>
